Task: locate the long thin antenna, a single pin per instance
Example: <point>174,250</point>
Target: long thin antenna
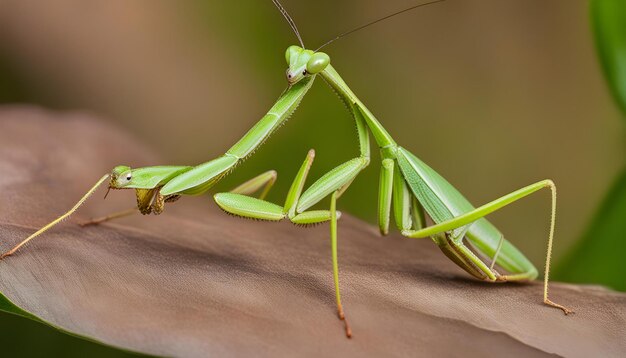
<point>58,220</point>
<point>292,24</point>
<point>375,21</point>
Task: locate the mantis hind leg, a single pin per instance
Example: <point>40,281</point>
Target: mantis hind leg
<point>524,276</point>
<point>480,212</point>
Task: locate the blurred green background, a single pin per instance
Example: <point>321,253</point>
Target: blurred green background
<point>493,94</point>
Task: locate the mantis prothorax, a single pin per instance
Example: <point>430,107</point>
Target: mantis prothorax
<point>408,187</point>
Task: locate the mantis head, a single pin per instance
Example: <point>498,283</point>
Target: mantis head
<point>303,63</point>
<point>121,176</point>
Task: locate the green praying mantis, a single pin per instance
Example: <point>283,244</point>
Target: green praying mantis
<point>408,187</point>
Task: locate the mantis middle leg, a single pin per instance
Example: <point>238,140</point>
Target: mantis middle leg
<point>333,183</point>
<point>337,179</point>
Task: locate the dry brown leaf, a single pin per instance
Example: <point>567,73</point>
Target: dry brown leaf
<point>196,282</point>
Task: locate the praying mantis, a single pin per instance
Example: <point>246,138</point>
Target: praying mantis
<point>409,190</point>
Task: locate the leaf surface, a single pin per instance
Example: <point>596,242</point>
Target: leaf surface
<point>196,282</point>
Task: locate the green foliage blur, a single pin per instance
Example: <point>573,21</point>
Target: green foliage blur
<point>599,255</point>
<point>608,19</point>
<point>25,338</point>
<point>493,94</point>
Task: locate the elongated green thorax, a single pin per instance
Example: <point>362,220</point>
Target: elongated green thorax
<point>382,137</point>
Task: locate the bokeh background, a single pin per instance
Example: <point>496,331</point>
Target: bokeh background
<point>493,94</point>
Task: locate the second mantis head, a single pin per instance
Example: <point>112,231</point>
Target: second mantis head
<point>304,63</point>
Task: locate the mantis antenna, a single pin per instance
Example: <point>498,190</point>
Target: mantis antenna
<point>59,219</point>
<point>289,20</point>
<point>375,21</point>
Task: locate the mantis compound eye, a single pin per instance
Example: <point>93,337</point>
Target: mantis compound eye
<point>292,51</point>
<point>317,63</point>
<point>123,179</point>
